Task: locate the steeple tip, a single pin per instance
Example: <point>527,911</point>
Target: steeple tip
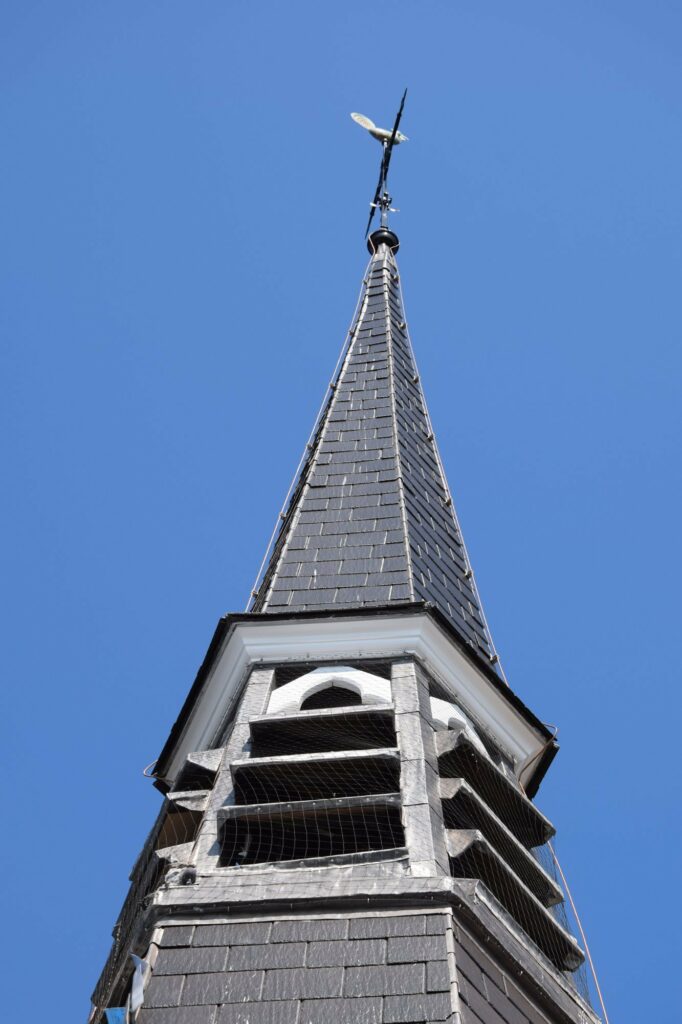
<point>383,236</point>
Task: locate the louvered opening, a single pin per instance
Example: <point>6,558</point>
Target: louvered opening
<point>194,777</point>
<point>328,730</point>
<point>464,809</point>
<point>277,779</point>
<point>180,825</point>
<point>460,759</point>
<point>491,828</point>
<point>314,830</point>
<point>472,856</point>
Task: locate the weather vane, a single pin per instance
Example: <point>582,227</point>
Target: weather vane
<point>388,140</point>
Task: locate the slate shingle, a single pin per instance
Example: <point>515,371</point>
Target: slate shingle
<point>346,953</point>
<point>415,1009</point>
<point>241,933</point>
<point>259,1013</point>
<point>410,950</point>
<point>191,961</point>
<point>304,983</point>
<point>309,930</point>
<point>401,979</point>
<point>272,956</point>
<point>229,987</point>
<point>341,1011</point>
<point>178,1015</point>
<point>164,990</point>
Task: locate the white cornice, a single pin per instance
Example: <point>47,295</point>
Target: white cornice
<point>328,640</point>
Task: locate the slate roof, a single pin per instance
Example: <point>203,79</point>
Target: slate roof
<point>371,520</point>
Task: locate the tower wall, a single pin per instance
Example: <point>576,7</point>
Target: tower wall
<point>392,925</point>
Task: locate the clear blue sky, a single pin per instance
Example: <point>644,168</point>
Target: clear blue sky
<point>182,209</point>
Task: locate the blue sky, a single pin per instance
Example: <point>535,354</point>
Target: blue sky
<point>183,204</point>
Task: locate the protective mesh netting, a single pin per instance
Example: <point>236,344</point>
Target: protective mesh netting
<point>325,783</point>
<point>322,785</point>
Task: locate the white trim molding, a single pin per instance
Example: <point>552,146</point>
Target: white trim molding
<point>372,689</point>
<point>325,640</point>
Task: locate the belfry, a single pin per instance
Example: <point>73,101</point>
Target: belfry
<point>348,831</point>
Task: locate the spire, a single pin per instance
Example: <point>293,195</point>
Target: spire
<point>371,520</point>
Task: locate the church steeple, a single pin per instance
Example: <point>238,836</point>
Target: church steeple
<point>371,521</point>
<point>347,830</point>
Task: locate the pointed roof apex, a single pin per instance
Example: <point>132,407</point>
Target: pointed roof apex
<point>371,521</point>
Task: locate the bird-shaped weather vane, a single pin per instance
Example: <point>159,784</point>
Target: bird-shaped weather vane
<point>388,140</point>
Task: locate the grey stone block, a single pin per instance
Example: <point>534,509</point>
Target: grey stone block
<point>304,983</point>
<point>178,1015</point>
<point>258,1013</point>
<point>341,1011</point>
<point>415,1009</point>
<point>359,952</point>
<point>400,979</point>
<point>237,933</point>
<point>409,951</point>
<point>414,734</point>
<point>237,987</point>
<point>273,955</point>
<point>177,935</point>
<point>191,961</point>
<point>164,990</point>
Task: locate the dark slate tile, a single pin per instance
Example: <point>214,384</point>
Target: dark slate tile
<point>401,979</point>
<point>178,1015</point>
<point>506,1009</point>
<point>164,990</point>
<point>365,565</point>
<point>470,969</point>
<point>411,950</point>
<point>438,976</point>
<point>520,1002</point>
<point>304,983</point>
<point>352,952</point>
<point>177,935</point>
<point>414,1009</point>
<point>382,927</point>
<point>234,987</point>
<point>482,1008</point>
<point>341,1011</point>
<point>313,598</point>
<point>259,1013</point>
<point>191,961</point>
<point>273,955</point>
<point>309,930</point>
<point>468,952</point>
<point>399,564</point>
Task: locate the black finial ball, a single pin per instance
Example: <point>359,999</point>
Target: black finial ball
<point>383,237</point>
